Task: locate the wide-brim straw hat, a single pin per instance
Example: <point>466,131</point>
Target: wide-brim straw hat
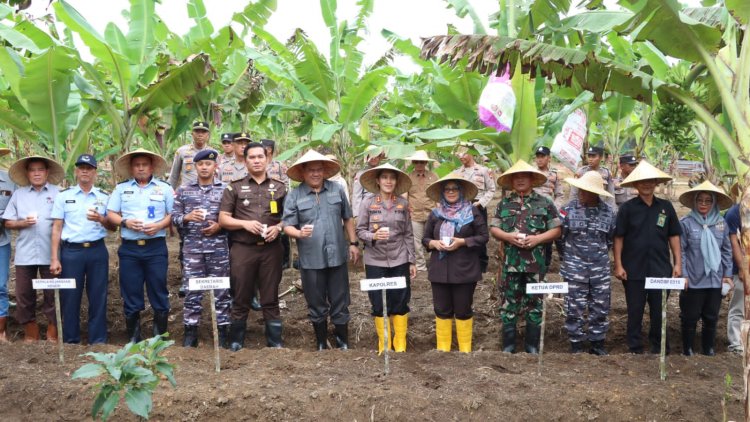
<point>538,178</point>
<point>591,181</point>
<point>122,165</point>
<point>369,179</point>
<point>435,190</point>
<point>296,171</point>
<point>4,151</point>
<point>419,156</point>
<point>17,171</point>
<point>645,171</point>
<point>688,198</point>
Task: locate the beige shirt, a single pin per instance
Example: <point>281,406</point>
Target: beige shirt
<point>233,170</point>
<point>376,213</point>
<point>482,177</point>
<point>420,204</point>
<point>552,188</point>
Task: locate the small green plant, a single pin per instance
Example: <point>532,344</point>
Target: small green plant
<point>726,397</point>
<point>133,372</point>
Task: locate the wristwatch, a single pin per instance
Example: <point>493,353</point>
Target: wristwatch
<point>355,243</point>
<point>123,223</point>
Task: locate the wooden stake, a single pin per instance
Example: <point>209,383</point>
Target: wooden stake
<point>215,330</point>
<point>59,326</point>
<point>541,335</point>
<point>663,353</point>
<point>386,333</point>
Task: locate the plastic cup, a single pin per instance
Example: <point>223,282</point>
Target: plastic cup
<point>309,226</point>
<point>724,289</point>
<point>203,212</point>
<point>446,240</point>
<point>33,215</point>
<point>521,236</point>
<point>264,232</point>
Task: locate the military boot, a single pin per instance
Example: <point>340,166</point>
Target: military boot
<point>273,334</point>
<point>509,338</point>
<point>597,348</point>
<point>160,322</point>
<point>133,327</point>
<point>708,339</point>
<point>576,347</point>
<point>237,335</point>
<point>533,332</point>
<point>321,334</point>
<point>224,336</point>
<point>688,336</point>
<point>191,336</point>
<point>341,334</point>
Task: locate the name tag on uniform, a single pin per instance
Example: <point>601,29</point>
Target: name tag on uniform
<point>662,219</point>
<point>70,201</point>
<point>274,207</point>
<point>156,197</point>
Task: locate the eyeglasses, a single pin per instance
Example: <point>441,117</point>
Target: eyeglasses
<point>704,201</point>
<point>451,189</point>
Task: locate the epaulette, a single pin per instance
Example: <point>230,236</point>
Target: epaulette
<point>63,190</point>
<point>124,181</point>
<point>106,192</point>
<point>278,180</point>
<point>237,180</point>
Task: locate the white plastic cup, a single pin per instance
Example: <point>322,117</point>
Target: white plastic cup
<point>521,236</point>
<point>203,212</point>
<point>33,215</point>
<point>264,232</point>
<point>309,226</point>
<point>446,240</point>
<point>725,289</point>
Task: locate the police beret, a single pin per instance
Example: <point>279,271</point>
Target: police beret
<point>542,150</point>
<point>595,151</point>
<point>628,159</point>
<point>226,137</point>
<point>200,125</point>
<point>205,154</point>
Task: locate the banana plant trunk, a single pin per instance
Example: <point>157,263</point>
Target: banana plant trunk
<point>745,241</point>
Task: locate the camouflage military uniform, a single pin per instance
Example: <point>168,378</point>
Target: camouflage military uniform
<point>606,175</point>
<point>531,214</point>
<point>622,194</point>
<point>587,233</point>
<point>232,170</point>
<point>204,256</point>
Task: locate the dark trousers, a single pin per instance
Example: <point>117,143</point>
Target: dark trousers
<point>26,295</point>
<point>255,267</point>
<point>453,300</point>
<point>702,304</point>
<point>484,259</point>
<point>397,300</point>
<point>327,293</point>
<point>636,297</point>
<point>89,266</point>
<point>287,246</point>
<point>141,265</point>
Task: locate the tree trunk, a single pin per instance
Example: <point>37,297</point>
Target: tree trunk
<point>745,242</point>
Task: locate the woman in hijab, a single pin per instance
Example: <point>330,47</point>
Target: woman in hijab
<point>707,263</point>
<point>455,232</point>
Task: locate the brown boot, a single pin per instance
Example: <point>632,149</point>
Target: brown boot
<point>52,332</point>
<point>31,332</point>
<point>3,336</point>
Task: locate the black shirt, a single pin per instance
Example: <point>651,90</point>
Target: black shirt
<point>646,231</point>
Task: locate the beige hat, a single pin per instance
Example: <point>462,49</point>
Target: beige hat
<point>435,190</point>
<point>122,165</point>
<point>4,151</point>
<point>688,198</point>
<point>591,181</point>
<point>330,167</point>
<point>368,179</point>
<point>17,171</point>
<point>419,156</point>
<point>538,178</point>
<point>645,171</point>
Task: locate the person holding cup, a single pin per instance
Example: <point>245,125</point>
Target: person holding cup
<point>29,212</point>
<point>455,232</point>
<point>78,251</point>
<point>384,225</point>
<point>706,263</point>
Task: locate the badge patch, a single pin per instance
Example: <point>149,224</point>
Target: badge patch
<point>662,219</point>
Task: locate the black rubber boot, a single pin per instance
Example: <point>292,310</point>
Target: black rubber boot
<point>597,348</point>
<point>237,335</point>
<point>576,347</point>
<point>533,332</point>
<point>509,338</point>
<point>133,327</point>
<point>321,334</point>
<point>160,322</point>
<point>341,333</point>
<point>191,336</point>
<point>688,336</point>
<point>708,340</point>
<point>273,334</point>
<point>224,336</point>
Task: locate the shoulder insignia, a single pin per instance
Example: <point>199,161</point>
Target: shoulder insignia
<point>106,192</point>
<point>124,181</point>
<point>63,190</point>
<point>229,187</point>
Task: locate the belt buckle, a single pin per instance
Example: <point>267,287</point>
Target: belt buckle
<point>260,243</point>
<point>86,244</point>
<point>141,242</point>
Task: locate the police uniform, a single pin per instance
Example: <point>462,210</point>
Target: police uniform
<point>203,256</point>
<point>223,158</point>
<point>603,171</point>
<point>183,168</point>
<point>143,259</point>
<point>623,194</point>
<point>84,257</point>
<point>481,176</point>
<point>552,189</point>
<point>358,192</point>
<point>587,233</point>
<point>235,169</point>
<point>253,261</point>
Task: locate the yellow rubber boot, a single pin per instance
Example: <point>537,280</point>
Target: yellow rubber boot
<point>400,324</point>
<point>379,329</point>
<point>444,333</point>
<point>463,334</point>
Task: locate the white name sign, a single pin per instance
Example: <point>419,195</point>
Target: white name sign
<point>544,288</point>
<point>665,283</point>
<point>53,283</point>
<point>382,283</point>
<point>208,283</point>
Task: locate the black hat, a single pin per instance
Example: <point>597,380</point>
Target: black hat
<point>200,125</point>
<point>542,150</point>
<point>241,136</point>
<point>226,137</point>
<point>628,159</point>
<point>87,159</point>
<point>267,143</point>
<point>595,151</point>
<point>205,154</point>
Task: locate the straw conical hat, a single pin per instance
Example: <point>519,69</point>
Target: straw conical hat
<point>17,171</point>
<point>330,167</point>
<point>122,165</point>
<point>688,198</point>
<point>435,190</point>
<point>4,151</point>
<point>591,181</point>
<point>419,156</point>
<point>645,171</point>
<point>368,179</point>
<point>538,178</point>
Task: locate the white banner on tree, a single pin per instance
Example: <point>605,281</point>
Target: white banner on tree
<point>568,143</point>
